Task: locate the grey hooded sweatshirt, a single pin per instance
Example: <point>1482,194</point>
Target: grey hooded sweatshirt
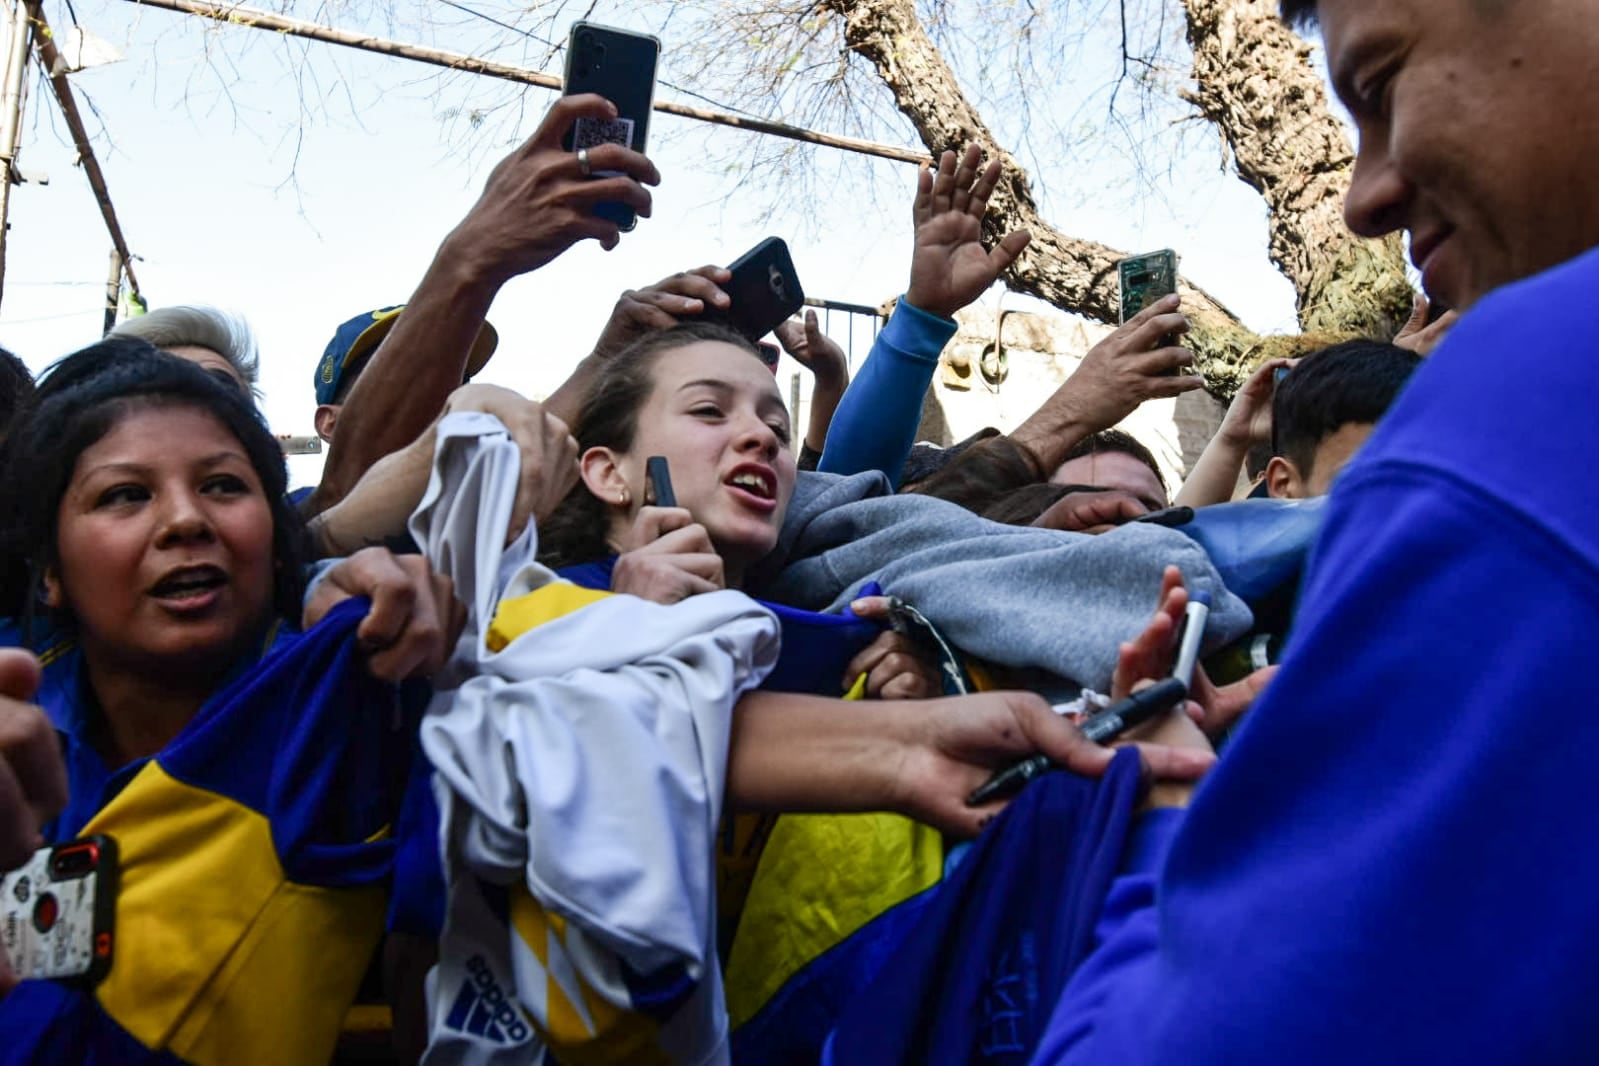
<point>1012,595</point>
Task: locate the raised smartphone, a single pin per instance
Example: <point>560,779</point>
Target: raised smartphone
<point>620,66</point>
<point>764,292</point>
<point>1145,279</point>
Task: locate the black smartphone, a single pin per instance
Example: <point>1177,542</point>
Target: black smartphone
<point>660,476</point>
<point>1145,279</point>
<point>769,353</point>
<point>57,912</point>
<point>620,66</point>
<point>764,291</point>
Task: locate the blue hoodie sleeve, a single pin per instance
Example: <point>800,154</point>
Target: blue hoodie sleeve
<point>875,424</point>
<point>1391,861</point>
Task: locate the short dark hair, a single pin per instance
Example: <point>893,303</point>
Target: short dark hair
<point>1300,14</point>
<point>1114,440</point>
<point>1350,383</point>
<point>16,389</point>
<point>79,401</point>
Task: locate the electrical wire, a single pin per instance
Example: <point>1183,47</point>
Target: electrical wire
<point>558,47</point>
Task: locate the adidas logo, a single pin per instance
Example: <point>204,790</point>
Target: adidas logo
<point>481,1009</point>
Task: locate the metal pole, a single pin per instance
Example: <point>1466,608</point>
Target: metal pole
<point>53,65</point>
<point>113,290</point>
<point>239,15</point>
<point>16,67</point>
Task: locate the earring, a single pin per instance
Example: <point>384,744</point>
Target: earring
<point>623,499</point>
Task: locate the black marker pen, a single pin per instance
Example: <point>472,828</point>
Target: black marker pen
<point>1107,725</point>
<point>660,482</point>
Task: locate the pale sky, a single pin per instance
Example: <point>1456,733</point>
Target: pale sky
<point>198,177</point>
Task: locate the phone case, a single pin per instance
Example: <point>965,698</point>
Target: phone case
<point>56,912</point>
<point>620,66</point>
<point>1145,279</point>
<point>765,290</point>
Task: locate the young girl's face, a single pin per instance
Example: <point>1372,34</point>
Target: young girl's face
<point>716,415</point>
<point>164,542</point>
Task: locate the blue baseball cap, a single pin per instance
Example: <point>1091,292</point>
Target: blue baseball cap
<point>360,336</point>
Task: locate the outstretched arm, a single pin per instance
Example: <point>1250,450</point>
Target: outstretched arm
<point>536,205</point>
<point>875,424</point>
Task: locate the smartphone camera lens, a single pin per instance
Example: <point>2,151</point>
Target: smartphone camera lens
<point>774,279</point>
<point>70,863</point>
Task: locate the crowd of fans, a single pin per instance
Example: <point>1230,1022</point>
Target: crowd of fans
<point>482,750</point>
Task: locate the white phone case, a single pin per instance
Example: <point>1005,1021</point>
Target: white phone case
<point>49,926</point>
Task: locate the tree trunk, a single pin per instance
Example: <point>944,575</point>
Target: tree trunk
<point>1075,275</point>
<point>1254,80</point>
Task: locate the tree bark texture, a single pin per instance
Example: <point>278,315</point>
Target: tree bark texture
<point>1254,80</point>
<point>1073,274</point>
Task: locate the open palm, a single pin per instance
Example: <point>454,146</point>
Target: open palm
<point>949,267</point>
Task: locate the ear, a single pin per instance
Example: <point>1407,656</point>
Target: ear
<point>1283,481</point>
<point>50,593</point>
<point>327,417</point>
<point>602,471</point>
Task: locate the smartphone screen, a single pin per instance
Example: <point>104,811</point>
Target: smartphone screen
<point>1145,279</point>
<point>620,66</point>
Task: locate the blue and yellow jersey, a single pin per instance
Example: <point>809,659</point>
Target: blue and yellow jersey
<point>792,887</point>
<point>255,854</point>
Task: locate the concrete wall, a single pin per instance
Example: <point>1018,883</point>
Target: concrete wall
<point>1041,352</point>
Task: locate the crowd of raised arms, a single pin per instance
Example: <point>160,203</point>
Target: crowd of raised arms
<point>642,725</point>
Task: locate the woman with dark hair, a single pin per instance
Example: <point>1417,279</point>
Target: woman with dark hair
<point>244,773</point>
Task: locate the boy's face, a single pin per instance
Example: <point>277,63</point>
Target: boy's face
<point>1285,481</point>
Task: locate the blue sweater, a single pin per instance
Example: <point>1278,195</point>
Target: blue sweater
<point>875,424</point>
<point>1395,860</point>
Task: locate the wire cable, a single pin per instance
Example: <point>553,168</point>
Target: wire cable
<point>558,47</point>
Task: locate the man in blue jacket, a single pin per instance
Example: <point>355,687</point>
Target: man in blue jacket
<point>1394,861</point>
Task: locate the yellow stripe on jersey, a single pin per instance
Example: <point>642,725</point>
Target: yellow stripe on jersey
<point>518,615</point>
<point>595,1031</point>
<point>220,959</point>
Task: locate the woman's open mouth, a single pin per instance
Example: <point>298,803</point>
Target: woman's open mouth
<point>189,587</point>
<point>754,486</point>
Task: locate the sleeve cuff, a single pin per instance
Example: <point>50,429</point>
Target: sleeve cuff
<point>916,333</point>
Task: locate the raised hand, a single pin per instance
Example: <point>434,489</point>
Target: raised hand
<point>949,267</point>
<point>538,203</point>
<point>1148,657</point>
<point>663,305</point>
<point>813,349</point>
<point>1248,419</point>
